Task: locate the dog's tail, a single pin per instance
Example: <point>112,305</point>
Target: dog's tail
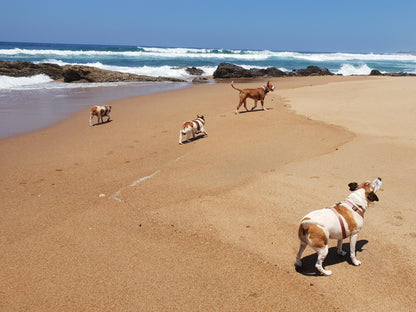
<point>232,85</point>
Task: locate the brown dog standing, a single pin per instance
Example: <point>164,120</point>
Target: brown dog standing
<point>256,94</point>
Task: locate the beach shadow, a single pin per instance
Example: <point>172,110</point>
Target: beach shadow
<point>308,262</point>
<point>103,123</point>
<point>254,110</point>
<point>196,138</point>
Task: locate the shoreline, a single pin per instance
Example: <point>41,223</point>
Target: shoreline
<point>210,224</point>
<point>50,106</point>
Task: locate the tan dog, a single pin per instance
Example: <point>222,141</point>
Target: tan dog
<point>256,94</point>
<point>100,112</point>
<point>342,220</point>
<point>194,126</point>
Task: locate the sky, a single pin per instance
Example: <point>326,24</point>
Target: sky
<point>292,25</point>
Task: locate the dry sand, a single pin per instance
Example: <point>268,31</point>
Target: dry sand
<point>119,217</point>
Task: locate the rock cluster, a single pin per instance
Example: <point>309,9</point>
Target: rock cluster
<point>73,73</point>
<point>376,72</point>
<point>227,70</point>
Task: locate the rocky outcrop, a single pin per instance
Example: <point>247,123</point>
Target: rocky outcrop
<point>27,69</point>
<point>312,71</point>
<point>194,71</point>
<point>376,72</point>
<point>197,80</point>
<point>227,70</point>
<point>78,73</point>
<point>73,73</point>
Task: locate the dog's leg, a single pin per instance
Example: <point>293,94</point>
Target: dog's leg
<point>262,105</point>
<point>204,131</point>
<point>180,137</point>
<point>245,104</point>
<point>255,105</point>
<point>339,248</point>
<point>91,116</point>
<point>108,118</point>
<point>239,104</point>
<point>302,247</point>
<point>353,242</point>
<point>322,253</point>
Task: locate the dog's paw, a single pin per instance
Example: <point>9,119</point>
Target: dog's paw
<point>356,262</point>
<point>322,270</point>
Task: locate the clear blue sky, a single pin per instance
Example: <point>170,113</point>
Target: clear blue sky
<point>291,25</point>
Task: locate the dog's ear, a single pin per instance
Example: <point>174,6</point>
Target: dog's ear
<point>353,186</point>
<point>372,197</point>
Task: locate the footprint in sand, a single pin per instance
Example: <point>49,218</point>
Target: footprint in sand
<point>397,219</point>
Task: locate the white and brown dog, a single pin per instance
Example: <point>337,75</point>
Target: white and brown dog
<point>100,112</point>
<point>342,220</point>
<point>194,126</point>
<point>256,94</point>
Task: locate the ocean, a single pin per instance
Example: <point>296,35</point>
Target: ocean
<point>21,98</point>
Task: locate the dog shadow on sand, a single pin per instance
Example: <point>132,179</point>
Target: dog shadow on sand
<point>255,110</point>
<point>196,138</point>
<point>308,262</point>
<point>102,123</point>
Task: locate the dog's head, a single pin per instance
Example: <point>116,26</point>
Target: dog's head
<point>270,86</point>
<point>108,108</point>
<point>370,188</point>
<point>202,117</point>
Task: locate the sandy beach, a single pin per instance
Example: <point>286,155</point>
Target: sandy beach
<point>119,217</point>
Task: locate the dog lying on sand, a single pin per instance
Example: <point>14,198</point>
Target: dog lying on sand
<point>192,127</point>
<point>100,112</point>
<point>342,220</point>
<point>256,94</point>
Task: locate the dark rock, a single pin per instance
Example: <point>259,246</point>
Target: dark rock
<point>78,73</point>
<point>227,70</point>
<point>274,72</point>
<point>194,71</point>
<point>73,73</point>
<point>27,69</point>
<point>200,80</point>
<point>375,72</point>
<point>313,71</point>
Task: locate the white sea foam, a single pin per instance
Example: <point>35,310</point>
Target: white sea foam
<point>349,70</point>
<point>190,53</point>
<point>325,57</point>
<point>148,53</point>
<point>7,82</point>
<point>153,71</point>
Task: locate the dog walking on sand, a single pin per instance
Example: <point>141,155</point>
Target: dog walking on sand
<point>192,127</point>
<point>100,112</point>
<point>256,94</point>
